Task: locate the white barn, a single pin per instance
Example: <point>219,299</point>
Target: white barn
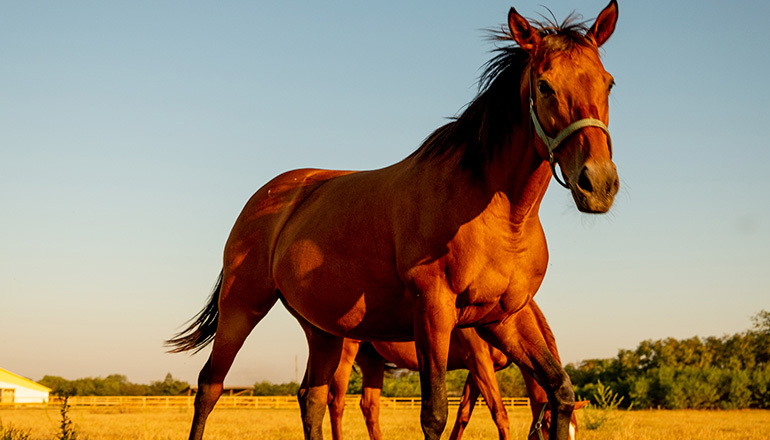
<point>16,389</point>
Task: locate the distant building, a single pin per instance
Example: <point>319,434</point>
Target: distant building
<point>17,389</point>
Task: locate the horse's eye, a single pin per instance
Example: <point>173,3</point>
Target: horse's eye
<point>544,88</point>
<point>612,84</point>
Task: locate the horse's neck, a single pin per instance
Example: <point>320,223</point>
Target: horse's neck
<point>514,178</point>
<point>521,175</point>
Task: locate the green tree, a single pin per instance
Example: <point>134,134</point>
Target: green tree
<point>266,388</point>
<point>59,386</point>
<point>761,333</point>
<point>455,382</point>
<point>511,382</point>
<point>760,387</point>
<point>356,382</point>
<point>168,387</point>
<point>401,383</point>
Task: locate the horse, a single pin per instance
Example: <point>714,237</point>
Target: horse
<point>448,237</point>
<point>477,356</point>
<point>467,351</point>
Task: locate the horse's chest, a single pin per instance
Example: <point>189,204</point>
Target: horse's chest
<point>505,273</point>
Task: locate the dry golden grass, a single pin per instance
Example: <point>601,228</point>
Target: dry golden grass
<point>229,424</point>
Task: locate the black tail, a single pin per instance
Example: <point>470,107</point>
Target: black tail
<point>203,326</point>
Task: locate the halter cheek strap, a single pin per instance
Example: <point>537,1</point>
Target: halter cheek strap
<point>553,143</point>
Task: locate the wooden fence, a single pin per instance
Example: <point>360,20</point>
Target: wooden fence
<point>252,402</point>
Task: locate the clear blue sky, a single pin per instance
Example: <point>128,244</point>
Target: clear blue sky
<point>131,135</point>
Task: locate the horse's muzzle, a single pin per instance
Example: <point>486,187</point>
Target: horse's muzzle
<point>594,188</point>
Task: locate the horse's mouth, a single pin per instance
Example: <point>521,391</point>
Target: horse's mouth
<point>595,188</point>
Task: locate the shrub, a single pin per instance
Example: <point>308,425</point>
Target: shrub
<point>600,412</point>
<point>11,432</point>
<point>67,430</point>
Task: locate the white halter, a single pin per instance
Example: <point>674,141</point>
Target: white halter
<point>553,143</point>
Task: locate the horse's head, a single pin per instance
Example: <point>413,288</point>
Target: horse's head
<point>568,90</point>
<point>542,432</point>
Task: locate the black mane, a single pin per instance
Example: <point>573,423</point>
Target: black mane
<point>485,125</point>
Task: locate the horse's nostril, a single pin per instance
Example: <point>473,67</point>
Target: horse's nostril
<point>615,185</point>
<point>584,182</point>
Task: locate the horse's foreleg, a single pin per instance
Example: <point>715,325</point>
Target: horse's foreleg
<point>467,402</point>
<point>339,386</point>
<point>323,359</point>
<point>521,339</point>
<point>435,317</point>
<point>372,369</point>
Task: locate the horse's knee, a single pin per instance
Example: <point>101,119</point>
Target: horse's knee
<point>433,420</point>
<point>564,395</point>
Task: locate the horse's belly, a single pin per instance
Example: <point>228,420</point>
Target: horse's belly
<point>359,297</point>
<point>360,314</point>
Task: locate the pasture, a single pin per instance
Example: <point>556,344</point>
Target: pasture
<point>284,424</point>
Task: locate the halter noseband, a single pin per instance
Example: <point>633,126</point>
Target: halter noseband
<point>553,143</point>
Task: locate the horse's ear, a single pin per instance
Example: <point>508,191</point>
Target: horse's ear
<point>605,24</point>
<point>580,404</point>
<point>522,31</point>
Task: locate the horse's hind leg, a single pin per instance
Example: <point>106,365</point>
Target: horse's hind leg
<point>339,386</point>
<point>323,358</point>
<point>483,376</point>
<point>481,379</point>
<point>240,309</point>
<point>471,393</point>
<point>373,371</point>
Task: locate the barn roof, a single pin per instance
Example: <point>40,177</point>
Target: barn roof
<point>8,377</point>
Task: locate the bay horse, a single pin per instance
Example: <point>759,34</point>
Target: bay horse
<point>448,237</point>
<point>466,351</point>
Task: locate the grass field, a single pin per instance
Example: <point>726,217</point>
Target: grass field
<point>229,424</point>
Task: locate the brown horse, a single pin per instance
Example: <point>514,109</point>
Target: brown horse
<point>448,237</point>
<point>467,351</point>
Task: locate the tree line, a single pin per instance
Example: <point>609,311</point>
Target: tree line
<point>728,372</point>
<point>112,385</point>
